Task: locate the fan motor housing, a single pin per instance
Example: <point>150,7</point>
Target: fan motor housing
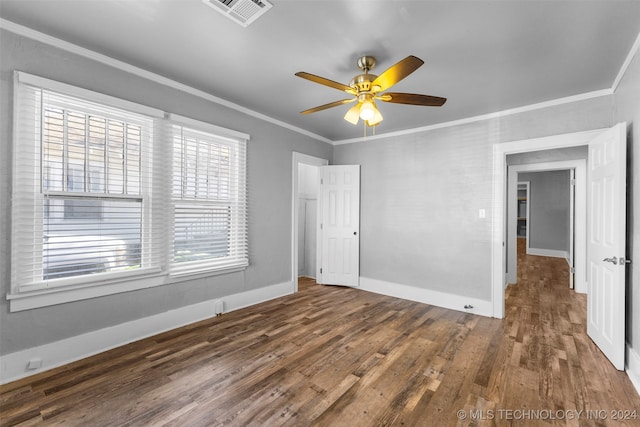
<point>362,82</point>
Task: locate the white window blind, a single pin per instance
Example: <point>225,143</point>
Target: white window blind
<point>209,207</point>
<point>82,187</point>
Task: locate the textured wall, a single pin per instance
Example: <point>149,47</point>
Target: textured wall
<point>421,194</point>
<point>549,209</point>
<point>627,102</point>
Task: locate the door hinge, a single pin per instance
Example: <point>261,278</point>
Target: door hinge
<point>573,182</point>
<point>320,226</point>
<point>320,270</point>
<point>572,270</point>
<point>321,181</point>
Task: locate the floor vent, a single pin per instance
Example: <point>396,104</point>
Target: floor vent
<point>244,12</point>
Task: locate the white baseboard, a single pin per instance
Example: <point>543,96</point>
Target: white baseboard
<point>548,252</point>
<point>13,366</point>
<point>633,367</point>
<point>426,296</point>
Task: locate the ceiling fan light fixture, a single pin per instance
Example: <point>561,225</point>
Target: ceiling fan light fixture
<point>377,117</point>
<point>353,115</point>
<point>366,88</point>
<point>367,109</point>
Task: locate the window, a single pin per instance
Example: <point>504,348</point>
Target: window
<point>92,220</point>
<point>90,206</point>
<point>208,201</point>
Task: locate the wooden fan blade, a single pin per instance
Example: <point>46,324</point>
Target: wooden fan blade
<point>353,115</point>
<point>412,98</point>
<point>329,105</point>
<point>326,82</point>
<point>397,72</point>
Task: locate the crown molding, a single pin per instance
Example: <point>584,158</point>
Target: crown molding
<point>580,97</point>
<point>625,65</point>
<point>87,53</point>
<point>498,114</point>
<point>123,66</point>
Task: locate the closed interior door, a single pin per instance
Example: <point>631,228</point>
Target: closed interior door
<point>340,225</point>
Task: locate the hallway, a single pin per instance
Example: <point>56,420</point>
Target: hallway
<point>545,323</point>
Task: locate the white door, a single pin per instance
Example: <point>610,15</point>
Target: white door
<point>606,242</point>
<point>339,225</point>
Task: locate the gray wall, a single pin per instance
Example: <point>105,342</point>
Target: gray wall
<point>549,207</point>
<point>269,160</point>
<point>421,194</point>
<point>627,103</point>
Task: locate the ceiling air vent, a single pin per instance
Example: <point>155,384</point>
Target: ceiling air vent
<point>244,12</point>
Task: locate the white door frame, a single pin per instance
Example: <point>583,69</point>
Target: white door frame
<point>499,201</point>
<point>298,158</point>
<point>579,216</point>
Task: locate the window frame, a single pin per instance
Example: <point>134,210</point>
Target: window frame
<point>24,296</point>
<point>235,142</point>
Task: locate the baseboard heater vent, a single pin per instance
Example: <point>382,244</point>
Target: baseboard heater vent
<point>244,12</point>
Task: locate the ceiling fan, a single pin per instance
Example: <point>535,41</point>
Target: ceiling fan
<point>367,88</point>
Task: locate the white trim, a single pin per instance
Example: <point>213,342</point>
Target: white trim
<point>28,300</point>
<point>632,53</point>
<point>426,296</point>
<point>297,159</point>
<point>123,66</point>
<point>206,127</point>
<point>13,366</point>
<point>633,367</point>
<point>553,253</point>
<point>498,232</point>
<point>498,114</point>
<point>635,48</point>
<point>86,94</point>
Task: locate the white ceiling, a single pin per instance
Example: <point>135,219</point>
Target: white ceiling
<point>484,56</point>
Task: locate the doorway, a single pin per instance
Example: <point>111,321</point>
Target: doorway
<point>304,214</point>
<point>307,219</point>
<point>500,239</point>
<point>553,179</point>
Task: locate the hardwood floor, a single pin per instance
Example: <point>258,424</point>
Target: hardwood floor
<point>334,356</point>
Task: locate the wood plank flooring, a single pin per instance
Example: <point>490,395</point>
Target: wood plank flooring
<point>334,356</point>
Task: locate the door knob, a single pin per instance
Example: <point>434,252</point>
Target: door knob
<point>614,260</point>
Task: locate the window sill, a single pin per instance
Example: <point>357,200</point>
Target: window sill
<point>29,300</point>
<point>52,296</point>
